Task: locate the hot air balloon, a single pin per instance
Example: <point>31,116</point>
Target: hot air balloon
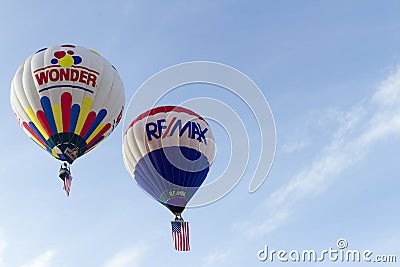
<point>67,99</point>
<point>168,150</point>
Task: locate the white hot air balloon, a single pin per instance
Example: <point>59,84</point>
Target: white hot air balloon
<point>67,99</point>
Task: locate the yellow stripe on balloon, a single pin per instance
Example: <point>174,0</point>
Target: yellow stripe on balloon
<point>95,132</point>
<point>54,154</point>
<point>90,149</point>
<point>37,123</point>
<point>37,141</point>
<point>57,113</point>
<point>95,52</point>
<point>85,109</point>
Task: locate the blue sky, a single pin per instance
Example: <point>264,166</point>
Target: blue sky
<point>329,70</point>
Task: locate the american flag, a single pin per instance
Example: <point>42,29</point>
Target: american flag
<point>180,234</point>
<point>67,183</point>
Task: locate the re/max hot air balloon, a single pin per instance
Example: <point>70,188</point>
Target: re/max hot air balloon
<point>67,99</point>
<point>168,151</point>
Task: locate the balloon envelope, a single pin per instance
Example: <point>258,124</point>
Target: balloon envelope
<point>67,99</point>
<point>168,151</point>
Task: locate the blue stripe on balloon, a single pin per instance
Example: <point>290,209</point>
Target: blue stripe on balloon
<point>33,127</point>
<point>45,101</point>
<point>95,143</point>
<point>67,86</point>
<point>40,50</point>
<point>147,185</point>
<point>99,118</point>
<point>156,174</point>
<point>74,117</point>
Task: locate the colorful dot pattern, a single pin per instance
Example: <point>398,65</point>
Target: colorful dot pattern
<point>66,58</point>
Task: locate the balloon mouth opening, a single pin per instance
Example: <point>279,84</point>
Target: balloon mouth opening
<point>66,150</point>
<point>175,209</point>
<point>177,201</point>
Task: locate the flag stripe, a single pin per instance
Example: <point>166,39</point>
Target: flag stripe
<point>180,234</point>
<point>67,184</point>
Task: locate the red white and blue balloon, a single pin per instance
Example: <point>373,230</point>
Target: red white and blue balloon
<point>168,150</point>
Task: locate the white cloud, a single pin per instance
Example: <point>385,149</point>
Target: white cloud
<point>388,92</point>
<point>346,148</point>
<point>270,224</point>
<point>3,245</point>
<point>217,258</point>
<point>130,257</point>
<point>348,120</point>
<point>42,260</point>
<point>294,146</point>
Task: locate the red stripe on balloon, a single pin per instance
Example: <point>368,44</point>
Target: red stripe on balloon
<point>165,109</point>
<point>103,131</point>
<point>26,126</point>
<point>68,45</point>
<point>169,127</point>
<point>66,103</point>
<point>43,121</point>
<point>89,120</point>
